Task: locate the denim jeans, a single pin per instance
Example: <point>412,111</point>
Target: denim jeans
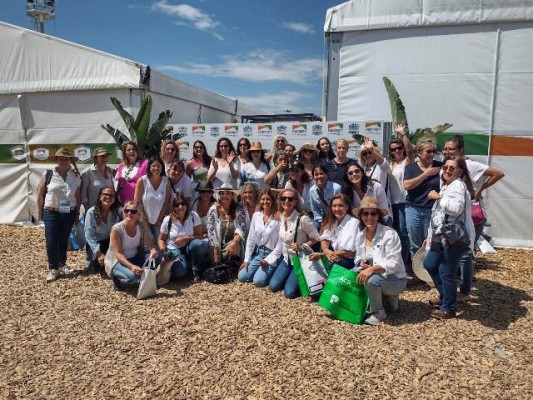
<point>442,266</point>
<point>126,278</point>
<point>417,219</point>
<point>191,257</point>
<point>378,286</point>
<point>285,278</point>
<point>466,267</point>
<point>400,226</point>
<point>478,229</point>
<point>255,273</point>
<point>155,233</point>
<point>57,227</point>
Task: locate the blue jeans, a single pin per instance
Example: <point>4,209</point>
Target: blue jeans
<point>378,286</point>
<point>417,219</point>
<point>466,267</point>
<point>285,278</point>
<point>191,257</point>
<point>478,229</point>
<point>57,227</point>
<point>125,277</point>
<point>399,224</point>
<point>442,266</point>
<point>255,273</point>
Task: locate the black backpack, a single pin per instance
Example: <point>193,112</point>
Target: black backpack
<point>218,274</point>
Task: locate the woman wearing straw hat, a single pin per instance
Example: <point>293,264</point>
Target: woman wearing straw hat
<point>95,178</point>
<point>256,169</point>
<point>58,202</point>
<point>203,203</point>
<point>379,259</point>
<point>308,156</point>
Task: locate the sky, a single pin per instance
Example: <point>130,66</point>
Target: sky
<point>268,54</point>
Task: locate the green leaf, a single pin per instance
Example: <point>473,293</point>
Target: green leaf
<point>142,121</point>
<point>157,133</point>
<point>396,105</point>
<point>126,117</point>
<point>441,128</point>
<point>117,135</point>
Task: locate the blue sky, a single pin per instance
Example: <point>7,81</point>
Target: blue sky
<point>266,53</point>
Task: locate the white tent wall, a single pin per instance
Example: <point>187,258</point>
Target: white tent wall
<point>463,62</point>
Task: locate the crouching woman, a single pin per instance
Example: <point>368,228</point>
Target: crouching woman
<point>379,257</point>
<point>130,243</point>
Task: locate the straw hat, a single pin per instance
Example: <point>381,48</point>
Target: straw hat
<point>100,151</point>
<point>308,146</point>
<point>370,203</point>
<point>204,186</point>
<point>256,146</point>
<point>63,152</point>
<point>227,187</point>
<point>375,148</point>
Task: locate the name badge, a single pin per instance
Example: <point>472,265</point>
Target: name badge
<point>64,206</point>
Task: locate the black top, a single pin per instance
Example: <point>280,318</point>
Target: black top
<point>419,195</point>
<point>337,171</point>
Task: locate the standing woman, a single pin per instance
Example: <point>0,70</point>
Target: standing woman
<point>203,203</point>
<point>379,256</point>
<point>257,168</point>
<point>243,145</point>
<point>226,226</point>
<point>58,202</point>
<point>376,167</point>
<point>295,229</point>
<point>452,204</point>
<point>169,153</point>
<point>279,175</point>
<point>153,192</point>
<point>336,168</point>
<point>260,241</point>
<point>278,146</point>
<point>197,167</point>
<point>249,199</point>
<point>129,171</point>
<point>308,156</point>
<point>359,185</point>
<point>420,178</point>
<point>325,152</point>
<point>129,242</point>
<point>300,181</point>
<point>321,194</point>
<point>223,167</point>
<point>98,223</point>
<point>95,178</point>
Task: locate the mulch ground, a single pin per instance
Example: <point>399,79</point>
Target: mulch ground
<point>79,338</point>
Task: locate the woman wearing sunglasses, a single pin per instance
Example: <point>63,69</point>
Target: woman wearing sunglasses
<point>419,179</point>
<point>224,167</point>
<point>129,242</point>
<point>379,260</point>
<point>257,168</point>
<point>452,203</point>
<point>308,156</point>
<point>181,240</point>
<point>278,146</point>
<point>197,167</point>
<point>295,229</point>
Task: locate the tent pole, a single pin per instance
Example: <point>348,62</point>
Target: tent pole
<point>494,91</point>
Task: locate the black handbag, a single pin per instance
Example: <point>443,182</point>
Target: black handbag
<point>455,232</point>
<point>218,274</point>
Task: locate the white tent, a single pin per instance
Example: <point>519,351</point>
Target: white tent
<point>467,62</point>
<point>54,92</point>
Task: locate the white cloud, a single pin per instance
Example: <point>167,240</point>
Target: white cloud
<point>258,66</point>
<point>276,102</point>
<point>299,27</point>
<point>199,19</point>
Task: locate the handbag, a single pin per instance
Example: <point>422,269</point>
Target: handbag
<point>311,275</point>
<point>163,272</point>
<point>455,232</point>
<point>218,274</point>
<point>477,213</point>
<point>148,282</point>
<point>343,296</point>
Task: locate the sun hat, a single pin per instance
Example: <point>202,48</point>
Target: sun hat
<point>256,146</point>
<point>227,187</point>
<point>308,146</point>
<point>100,151</point>
<point>64,152</point>
<point>204,186</point>
<point>418,265</point>
<point>370,203</point>
<point>375,148</point>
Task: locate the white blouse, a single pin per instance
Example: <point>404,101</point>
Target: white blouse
<point>59,189</point>
<point>342,236</point>
<point>261,234</point>
<point>178,230</point>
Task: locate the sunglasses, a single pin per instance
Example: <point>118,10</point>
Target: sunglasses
<point>365,153</point>
<point>108,195</point>
<point>449,168</point>
<point>130,211</point>
<point>354,172</point>
<point>179,204</point>
<point>287,198</point>
<point>433,151</point>
<point>393,149</point>
<point>198,148</point>
<point>242,144</point>
<point>280,141</point>
<point>369,213</point>
<point>307,151</point>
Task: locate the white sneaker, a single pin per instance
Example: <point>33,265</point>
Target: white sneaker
<point>52,275</point>
<point>376,318</point>
<point>65,270</point>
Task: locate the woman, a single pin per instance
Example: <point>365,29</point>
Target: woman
<point>375,165</point>
<point>321,194</point>
<point>243,145</point>
<point>261,240</point>
<point>224,168</point>
<point>98,223</point>
<point>419,179</point>
<point>249,199</point>
<point>181,240</point>
<point>58,202</point>
<point>300,181</point>
<point>337,239</point>
<point>127,253</point>
<point>358,186</point>
<point>295,229</point>
<point>226,226</point>
<point>257,168</point>
<point>279,175</point>
<point>278,146</point>
<point>169,153</point>
<point>180,181</point>
<point>95,178</point>
<point>401,155</point>
<point>452,204</point>
<point>203,203</point>
<point>153,192</point>
<point>379,260</point>
<point>290,152</point>
<point>197,167</point>
<point>308,156</point>
<point>129,171</point>
<point>336,167</point>
<point>325,152</point>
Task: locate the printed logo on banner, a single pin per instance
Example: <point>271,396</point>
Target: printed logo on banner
<point>264,130</point>
<point>214,131</point>
<point>247,130</point>
<point>18,153</point>
<point>316,129</point>
<point>41,153</point>
<point>373,127</point>
<point>282,129</point>
<point>353,128</point>
<point>182,130</point>
<point>83,153</point>
<point>198,130</point>
<point>231,130</point>
<point>299,129</point>
<point>335,128</point>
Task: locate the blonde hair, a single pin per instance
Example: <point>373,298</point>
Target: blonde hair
<point>425,142</point>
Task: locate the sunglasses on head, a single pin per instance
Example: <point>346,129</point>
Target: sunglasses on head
<point>130,211</point>
<point>370,213</point>
<point>287,198</point>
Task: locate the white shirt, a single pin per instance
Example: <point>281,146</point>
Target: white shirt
<point>184,186</point>
<point>261,234</point>
<point>223,175</point>
<point>59,189</point>
<point>249,173</point>
<point>178,230</point>
<point>374,189</point>
<point>153,200</point>
<point>342,236</point>
<point>398,193</point>
<point>130,245</point>
<point>305,197</point>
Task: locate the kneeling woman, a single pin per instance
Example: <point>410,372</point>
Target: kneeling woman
<point>261,240</point>
<point>180,240</point>
<point>295,229</point>
<point>129,240</point>
<point>379,256</point>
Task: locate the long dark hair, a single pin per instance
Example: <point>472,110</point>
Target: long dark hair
<point>245,140</point>
<point>459,141</point>
<point>205,158</point>
<point>305,179</point>
<point>330,218</point>
<point>152,160</point>
<point>400,143</point>
<point>176,199</point>
<point>365,180</point>
<point>465,176</point>
<point>218,154</point>
<point>329,155</point>
<point>98,205</point>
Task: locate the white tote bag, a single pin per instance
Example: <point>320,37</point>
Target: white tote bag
<point>148,283</point>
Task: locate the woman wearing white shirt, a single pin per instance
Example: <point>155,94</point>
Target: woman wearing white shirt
<point>379,259</point>
<point>224,165</point>
<point>180,240</point>
<point>300,181</point>
<point>261,240</point>
<point>295,229</point>
<point>257,168</point>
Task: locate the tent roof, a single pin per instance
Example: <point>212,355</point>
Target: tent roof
<point>386,14</point>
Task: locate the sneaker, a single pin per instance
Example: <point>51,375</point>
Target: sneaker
<point>461,297</point>
<point>65,270</point>
<point>52,275</point>
<point>391,303</point>
<point>376,318</point>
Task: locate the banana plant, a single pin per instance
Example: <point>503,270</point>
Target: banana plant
<point>148,140</point>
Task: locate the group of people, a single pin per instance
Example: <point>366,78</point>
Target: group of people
<point>256,208</point>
